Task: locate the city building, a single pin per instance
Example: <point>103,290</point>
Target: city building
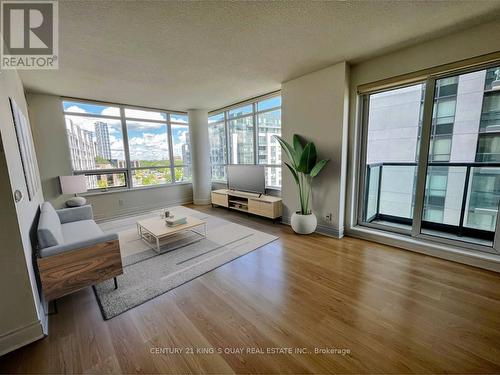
<point>269,149</point>
<point>82,145</point>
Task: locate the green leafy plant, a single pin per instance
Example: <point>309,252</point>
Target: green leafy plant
<point>304,166</point>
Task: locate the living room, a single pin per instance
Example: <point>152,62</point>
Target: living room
<point>250,187</point>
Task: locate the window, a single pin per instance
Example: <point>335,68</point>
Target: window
<point>95,142</point>
<point>148,147</point>
<point>241,140</point>
<point>124,147</point>
<point>489,129</point>
<point>218,152</point>
<point>451,194</point>
<point>488,148</point>
<point>244,135</point>
<point>391,156</point>
<point>148,144</point>
<point>240,111</point>
<point>269,150</point>
<point>181,152</point>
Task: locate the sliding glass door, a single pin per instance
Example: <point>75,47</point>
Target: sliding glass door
<point>393,131</point>
<point>431,159</point>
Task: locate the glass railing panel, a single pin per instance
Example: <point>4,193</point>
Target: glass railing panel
<point>373,180</point>
<point>444,191</point>
<point>483,198</point>
<point>397,191</point>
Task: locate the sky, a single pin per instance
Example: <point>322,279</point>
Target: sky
<point>147,140</point>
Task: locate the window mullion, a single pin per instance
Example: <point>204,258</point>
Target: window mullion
<point>363,115</point>
<point>255,136</point>
<point>228,143</point>
<point>423,155</point>
<point>170,149</point>
<point>126,147</point>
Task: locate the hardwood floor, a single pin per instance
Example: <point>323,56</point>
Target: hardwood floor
<point>385,310</point>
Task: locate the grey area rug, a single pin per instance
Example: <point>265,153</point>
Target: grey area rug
<point>147,274</point>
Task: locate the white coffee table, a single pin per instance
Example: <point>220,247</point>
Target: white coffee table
<point>155,231</point>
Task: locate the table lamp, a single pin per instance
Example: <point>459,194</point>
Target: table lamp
<point>74,185</point>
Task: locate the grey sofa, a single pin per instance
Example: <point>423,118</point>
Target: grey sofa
<point>68,229</point>
<point>73,252</point>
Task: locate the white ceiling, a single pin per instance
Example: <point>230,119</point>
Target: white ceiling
<point>180,55</point>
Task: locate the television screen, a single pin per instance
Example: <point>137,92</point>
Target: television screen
<point>251,178</point>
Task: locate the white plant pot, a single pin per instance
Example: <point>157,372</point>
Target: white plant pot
<point>304,224</point>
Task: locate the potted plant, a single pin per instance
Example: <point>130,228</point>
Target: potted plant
<point>304,166</point>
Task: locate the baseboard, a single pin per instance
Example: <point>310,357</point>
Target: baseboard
<point>322,229</point>
<point>20,337</point>
<point>141,209</point>
<point>330,231</point>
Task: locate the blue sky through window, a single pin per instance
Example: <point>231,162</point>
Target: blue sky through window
<point>147,140</point>
<point>91,109</point>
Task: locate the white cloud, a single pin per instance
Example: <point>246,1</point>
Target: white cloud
<point>141,126</point>
<point>178,118</point>
<point>149,147</point>
<point>76,109</point>
<point>111,111</point>
<point>146,115</point>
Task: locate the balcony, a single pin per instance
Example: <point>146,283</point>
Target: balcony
<point>460,201</point>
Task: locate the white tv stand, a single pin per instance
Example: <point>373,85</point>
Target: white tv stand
<point>256,204</point>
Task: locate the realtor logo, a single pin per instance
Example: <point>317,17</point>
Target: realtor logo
<point>30,35</point>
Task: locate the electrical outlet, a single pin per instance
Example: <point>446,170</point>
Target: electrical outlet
<point>120,202</point>
<point>329,217</point>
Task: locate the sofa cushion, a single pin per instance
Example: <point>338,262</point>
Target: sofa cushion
<point>49,231</point>
<point>80,231</point>
<point>67,215</point>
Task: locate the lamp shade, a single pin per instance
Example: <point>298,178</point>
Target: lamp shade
<point>73,184</point>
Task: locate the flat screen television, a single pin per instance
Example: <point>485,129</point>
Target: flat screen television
<point>250,178</point>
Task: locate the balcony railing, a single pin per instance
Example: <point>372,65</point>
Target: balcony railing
<point>460,198</point>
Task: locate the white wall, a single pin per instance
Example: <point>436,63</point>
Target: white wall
<point>109,205</point>
<point>51,143</point>
<point>315,107</point>
<point>21,312</point>
<point>49,132</point>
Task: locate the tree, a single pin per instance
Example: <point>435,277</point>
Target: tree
<point>102,183</point>
<point>100,160</point>
<point>179,174</point>
<point>149,179</point>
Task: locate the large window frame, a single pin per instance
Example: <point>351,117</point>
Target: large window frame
<point>129,168</point>
<point>254,114</point>
<point>360,204</point>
